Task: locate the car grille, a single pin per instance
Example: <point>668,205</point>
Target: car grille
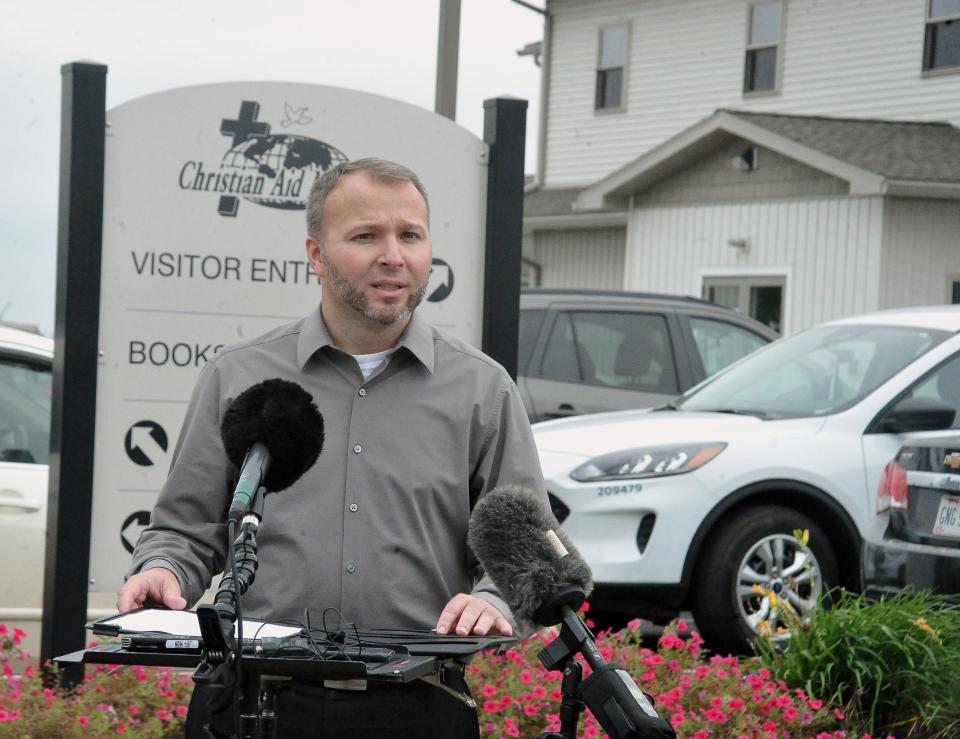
<point>644,530</point>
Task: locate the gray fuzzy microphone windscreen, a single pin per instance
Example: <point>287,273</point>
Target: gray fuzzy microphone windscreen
<point>521,546</point>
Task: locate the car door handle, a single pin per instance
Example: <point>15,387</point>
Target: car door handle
<point>13,499</point>
<point>564,410</point>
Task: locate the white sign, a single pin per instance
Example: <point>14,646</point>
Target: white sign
<point>203,245</point>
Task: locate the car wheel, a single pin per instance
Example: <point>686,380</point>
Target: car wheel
<point>754,576</point>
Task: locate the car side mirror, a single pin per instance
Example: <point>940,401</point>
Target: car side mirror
<point>916,414</point>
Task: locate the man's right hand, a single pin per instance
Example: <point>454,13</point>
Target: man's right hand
<point>156,585</point>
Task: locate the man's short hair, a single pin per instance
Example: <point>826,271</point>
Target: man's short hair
<point>379,169</point>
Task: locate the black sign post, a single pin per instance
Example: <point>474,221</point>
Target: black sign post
<point>505,130</point>
<point>79,237</point>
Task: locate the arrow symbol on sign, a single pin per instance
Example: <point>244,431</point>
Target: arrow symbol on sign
<point>141,438</point>
<point>132,527</point>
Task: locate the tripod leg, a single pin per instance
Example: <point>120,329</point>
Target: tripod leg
<point>570,706</point>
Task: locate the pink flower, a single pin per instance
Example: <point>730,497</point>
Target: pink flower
<point>4,716</point>
<point>163,715</point>
<point>790,713</point>
<point>4,630</point>
<point>539,692</point>
<point>525,677</point>
<point>82,720</point>
<point>715,715</point>
<point>682,625</point>
<point>815,705</point>
<point>633,624</point>
<point>511,730</point>
<point>133,709</point>
<point>735,704</point>
<point>702,734</point>
<point>491,706</point>
<point>489,690</point>
<point>839,714</point>
<point>531,709</point>
<point>678,719</point>
<point>556,694</point>
<point>181,711</point>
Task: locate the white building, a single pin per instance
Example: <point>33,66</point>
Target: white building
<point>644,183</point>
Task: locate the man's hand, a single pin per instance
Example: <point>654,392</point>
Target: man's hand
<point>157,585</point>
<point>468,614</point>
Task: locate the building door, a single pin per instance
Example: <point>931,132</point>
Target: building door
<point>761,298</point>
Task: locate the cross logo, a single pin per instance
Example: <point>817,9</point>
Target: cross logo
<point>246,126</point>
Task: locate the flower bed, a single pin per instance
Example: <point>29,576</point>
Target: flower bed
<point>701,695</point>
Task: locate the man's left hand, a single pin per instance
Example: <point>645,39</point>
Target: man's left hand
<point>467,614</point>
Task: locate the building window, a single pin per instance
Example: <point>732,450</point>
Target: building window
<point>763,46</point>
<point>941,44</point>
<point>761,298</point>
<point>611,67</point>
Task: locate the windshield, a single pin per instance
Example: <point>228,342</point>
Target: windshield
<point>814,373</point>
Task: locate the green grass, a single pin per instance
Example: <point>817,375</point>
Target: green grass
<point>894,664</point>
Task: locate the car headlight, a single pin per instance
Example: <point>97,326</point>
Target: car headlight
<point>657,461</point>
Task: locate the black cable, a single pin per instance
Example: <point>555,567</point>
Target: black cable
<point>232,561</point>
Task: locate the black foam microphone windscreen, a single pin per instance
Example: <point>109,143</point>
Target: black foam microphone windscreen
<point>521,546</point>
<point>282,416</point>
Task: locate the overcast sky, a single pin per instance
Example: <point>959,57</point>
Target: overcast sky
<point>380,46</point>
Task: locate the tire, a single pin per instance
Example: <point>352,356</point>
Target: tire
<point>757,546</point>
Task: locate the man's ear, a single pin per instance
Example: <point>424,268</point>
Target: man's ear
<point>313,256</point>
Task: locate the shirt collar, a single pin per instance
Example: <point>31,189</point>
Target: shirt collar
<point>417,339</point>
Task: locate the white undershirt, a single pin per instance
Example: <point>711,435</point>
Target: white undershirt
<point>369,363</point>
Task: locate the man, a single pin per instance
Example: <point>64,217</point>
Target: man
<point>418,426</point>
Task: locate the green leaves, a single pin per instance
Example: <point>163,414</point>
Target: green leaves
<point>893,663</point>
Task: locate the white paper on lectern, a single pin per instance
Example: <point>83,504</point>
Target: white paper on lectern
<point>184,623</point>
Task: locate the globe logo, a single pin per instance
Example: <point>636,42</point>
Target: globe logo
<point>280,167</point>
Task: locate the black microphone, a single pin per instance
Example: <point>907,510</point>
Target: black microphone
<point>273,433</point>
<point>543,579</point>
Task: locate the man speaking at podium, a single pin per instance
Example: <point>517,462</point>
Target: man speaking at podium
<point>419,426</point>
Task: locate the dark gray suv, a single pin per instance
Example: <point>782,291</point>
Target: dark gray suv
<point>586,351</point>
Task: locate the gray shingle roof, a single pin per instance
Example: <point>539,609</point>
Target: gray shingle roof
<point>896,150</point>
<point>554,202</point>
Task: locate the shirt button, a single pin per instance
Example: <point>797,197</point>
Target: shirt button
<point>362,392</point>
<point>354,507</point>
<point>351,567</point>
<point>357,449</point>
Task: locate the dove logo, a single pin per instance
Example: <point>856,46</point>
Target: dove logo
<point>274,170</point>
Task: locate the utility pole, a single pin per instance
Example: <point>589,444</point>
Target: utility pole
<point>448,53</point>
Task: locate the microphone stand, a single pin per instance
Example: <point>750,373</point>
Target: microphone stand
<point>619,705</point>
<point>220,667</point>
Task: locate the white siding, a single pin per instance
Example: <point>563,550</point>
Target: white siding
<point>828,249</point>
<point>585,258</point>
<point>858,58</point>
<point>921,248</point>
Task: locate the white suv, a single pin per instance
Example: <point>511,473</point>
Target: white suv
<point>25,384</point>
<point>694,505</point>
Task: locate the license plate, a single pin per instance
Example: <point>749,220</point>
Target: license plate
<point>947,522</point>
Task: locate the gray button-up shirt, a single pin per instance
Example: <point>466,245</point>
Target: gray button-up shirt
<point>377,527</point>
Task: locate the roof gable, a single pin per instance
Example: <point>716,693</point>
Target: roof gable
<point>873,156</point>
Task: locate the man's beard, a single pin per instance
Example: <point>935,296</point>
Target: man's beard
<point>349,294</point>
